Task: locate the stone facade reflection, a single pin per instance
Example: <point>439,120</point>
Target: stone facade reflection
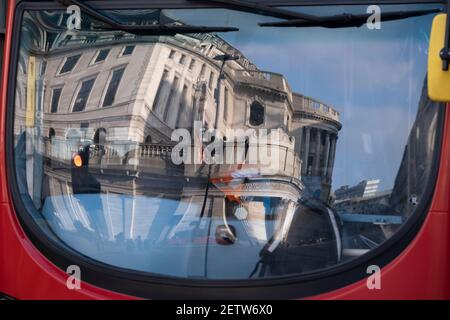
<point>168,83</point>
<point>116,98</point>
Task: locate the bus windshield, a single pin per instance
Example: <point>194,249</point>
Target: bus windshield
<point>241,151</point>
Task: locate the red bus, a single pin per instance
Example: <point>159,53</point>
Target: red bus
<point>224,149</point>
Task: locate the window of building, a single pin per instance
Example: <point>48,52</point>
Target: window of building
<point>172,54</point>
<point>69,64</point>
<point>203,72</point>
<point>192,64</point>
<point>43,67</point>
<point>172,97</point>
<point>183,59</point>
<point>56,95</point>
<point>211,80</point>
<point>183,103</point>
<point>100,136</point>
<point>128,50</point>
<point>226,100</point>
<point>162,84</point>
<point>194,106</point>
<point>51,134</point>
<point>101,55</point>
<point>256,117</point>
<point>83,95</point>
<point>113,86</point>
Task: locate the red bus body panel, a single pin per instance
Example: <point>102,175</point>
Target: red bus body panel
<point>422,271</point>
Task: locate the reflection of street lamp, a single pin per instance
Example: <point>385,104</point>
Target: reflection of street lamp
<point>224,58</point>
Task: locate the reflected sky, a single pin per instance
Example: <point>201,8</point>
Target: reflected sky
<point>372,77</point>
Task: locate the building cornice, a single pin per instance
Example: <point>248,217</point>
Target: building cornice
<point>316,116</point>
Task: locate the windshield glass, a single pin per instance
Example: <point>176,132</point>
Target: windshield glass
<point>256,153</point>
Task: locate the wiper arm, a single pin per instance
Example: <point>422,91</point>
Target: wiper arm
<point>347,20</point>
<point>299,19</point>
<point>263,10</point>
<point>159,30</point>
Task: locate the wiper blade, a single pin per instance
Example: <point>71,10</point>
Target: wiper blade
<point>167,30</point>
<point>347,20</point>
<point>263,10</point>
<point>156,29</point>
<point>299,19</point>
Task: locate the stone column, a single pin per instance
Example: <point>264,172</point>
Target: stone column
<point>306,152</point>
<point>316,165</point>
<point>219,104</point>
<point>327,155</point>
<point>299,141</point>
<point>332,156</point>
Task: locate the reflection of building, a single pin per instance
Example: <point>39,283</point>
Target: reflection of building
<point>366,214</point>
<point>364,189</point>
<point>316,126</point>
<point>120,90</point>
<point>114,99</point>
<point>377,203</point>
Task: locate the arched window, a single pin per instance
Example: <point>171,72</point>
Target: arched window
<point>256,114</point>
<point>148,139</point>
<point>100,136</point>
<point>51,134</point>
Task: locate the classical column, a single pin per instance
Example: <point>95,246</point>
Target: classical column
<point>306,152</point>
<point>332,156</point>
<point>219,104</point>
<point>327,155</point>
<point>317,156</point>
<point>299,141</point>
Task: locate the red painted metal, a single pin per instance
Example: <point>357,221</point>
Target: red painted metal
<point>420,272</point>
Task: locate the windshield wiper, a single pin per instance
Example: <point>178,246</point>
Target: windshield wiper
<point>262,10</point>
<point>347,20</point>
<point>156,29</point>
<point>299,19</point>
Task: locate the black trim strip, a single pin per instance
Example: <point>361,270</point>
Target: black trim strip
<point>2,29</point>
<point>2,16</point>
<point>140,4</point>
<point>163,287</point>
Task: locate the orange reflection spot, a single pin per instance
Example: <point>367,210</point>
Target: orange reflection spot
<point>223,184</point>
<point>77,161</point>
